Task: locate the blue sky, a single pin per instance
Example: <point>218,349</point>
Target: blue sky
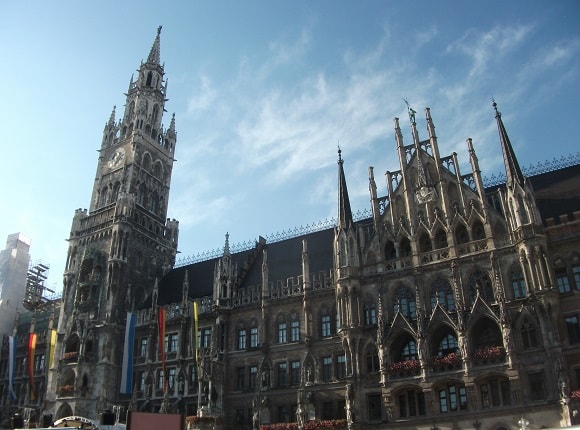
<point>263,91</point>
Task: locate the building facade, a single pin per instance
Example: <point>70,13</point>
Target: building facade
<point>450,306</point>
<point>14,262</point>
<point>453,306</point>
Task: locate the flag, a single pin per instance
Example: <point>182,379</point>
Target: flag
<point>30,364</point>
<point>11,361</point>
<point>52,345</point>
<point>127,369</point>
<point>161,324</point>
<point>195,328</point>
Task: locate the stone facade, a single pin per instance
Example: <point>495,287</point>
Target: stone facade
<point>452,306</point>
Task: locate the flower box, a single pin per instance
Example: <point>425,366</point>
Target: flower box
<point>489,354</point>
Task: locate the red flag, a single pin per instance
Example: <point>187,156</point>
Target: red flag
<point>30,363</point>
<point>161,323</point>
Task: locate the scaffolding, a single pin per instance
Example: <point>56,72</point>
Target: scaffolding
<point>37,294</point>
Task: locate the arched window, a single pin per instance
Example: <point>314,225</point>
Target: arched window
<point>461,235</point>
<point>442,293</point>
<point>404,302</point>
<point>155,113</point>
<point>518,283</point>
<point>390,251</point>
<point>477,230</point>
<point>440,239</point>
<point>147,162</point>
<point>487,342</point>
<point>425,243</point>
<point>447,345</point>
<point>529,334</point>
<point>405,248</point>
<point>149,79</point>
<point>409,351</point>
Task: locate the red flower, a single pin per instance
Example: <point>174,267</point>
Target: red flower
<point>404,366</point>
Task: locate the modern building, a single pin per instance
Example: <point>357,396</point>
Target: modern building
<point>451,305</point>
<point>14,262</point>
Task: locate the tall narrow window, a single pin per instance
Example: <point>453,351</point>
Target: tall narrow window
<point>254,337</point>
<point>341,367</point>
<point>242,339</point>
<point>325,326</point>
<point>295,372</point>
<point>253,374</point>
<point>282,333</point>
<point>327,369</point>
<point>529,334</point>
<point>519,284</point>
<point>576,275</point>
<point>370,314</point>
<point>282,374</point>
<point>241,385</point>
<point>294,331</point>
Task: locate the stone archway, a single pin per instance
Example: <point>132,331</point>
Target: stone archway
<point>63,411</point>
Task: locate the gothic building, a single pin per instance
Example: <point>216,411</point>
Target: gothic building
<point>452,305</point>
<point>118,248</point>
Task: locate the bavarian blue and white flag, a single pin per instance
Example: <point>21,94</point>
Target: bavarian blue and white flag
<point>127,370</point>
<point>11,361</point>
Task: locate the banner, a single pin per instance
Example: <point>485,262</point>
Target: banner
<point>51,347</point>
<point>127,369</point>
<point>11,361</point>
<point>161,324</point>
<point>30,364</point>
<point>195,334</point>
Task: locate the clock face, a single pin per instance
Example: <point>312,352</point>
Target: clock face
<point>116,158</point>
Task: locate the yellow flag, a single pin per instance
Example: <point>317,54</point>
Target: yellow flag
<point>51,348</point>
<point>195,331</point>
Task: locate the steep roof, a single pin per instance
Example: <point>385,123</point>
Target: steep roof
<point>284,262</point>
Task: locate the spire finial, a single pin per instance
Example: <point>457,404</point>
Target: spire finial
<point>339,153</point>
<point>227,245</point>
<point>344,211</point>
<point>154,55</point>
<point>512,167</point>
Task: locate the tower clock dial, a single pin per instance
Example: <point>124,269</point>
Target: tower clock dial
<point>116,158</point>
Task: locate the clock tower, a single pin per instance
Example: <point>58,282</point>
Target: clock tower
<point>117,249</point>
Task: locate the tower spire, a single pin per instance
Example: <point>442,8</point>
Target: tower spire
<point>154,55</point>
<point>344,212</point>
<point>512,168</point>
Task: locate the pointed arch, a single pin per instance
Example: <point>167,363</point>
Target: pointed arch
<point>461,235</point>
<point>518,282</point>
<point>155,113</point>
<point>477,230</point>
<point>441,239</point>
<point>424,242</point>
